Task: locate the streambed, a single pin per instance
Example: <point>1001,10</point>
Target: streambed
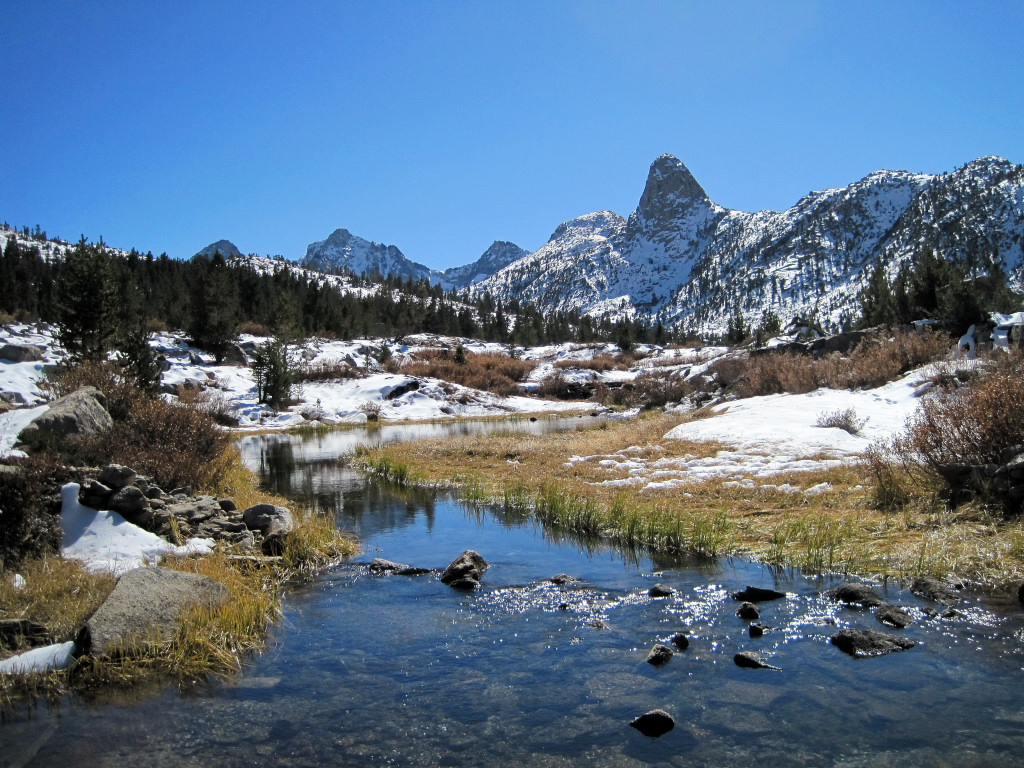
<point>372,669</point>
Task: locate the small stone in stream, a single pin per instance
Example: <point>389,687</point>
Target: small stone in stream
<point>562,578</point>
<point>951,613</point>
<point>660,590</point>
<point>893,616</point>
<point>748,612</point>
<point>681,641</point>
<point>380,565</point>
<point>655,723</point>
<point>411,570</point>
<point>467,583</point>
<point>751,660</point>
<point>928,588</point>
<point>855,594</point>
<point>659,655</point>
<point>757,595</point>
<point>757,630</point>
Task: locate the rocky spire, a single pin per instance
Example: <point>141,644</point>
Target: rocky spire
<point>670,191</point>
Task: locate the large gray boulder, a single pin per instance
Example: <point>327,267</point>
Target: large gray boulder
<point>21,353</point>
<point>145,607</point>
<point>81,413</point>
<point>273,522</point>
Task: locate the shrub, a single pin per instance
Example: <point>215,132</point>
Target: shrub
<point>598,363</point>
<point>327,370</point>
<point>120,392</point>
<point>845,420</point>
<point>558,386</point>
<point>29,526</point>
<point>495,373</point>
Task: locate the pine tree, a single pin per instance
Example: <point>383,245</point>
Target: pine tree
<point>86,299</point>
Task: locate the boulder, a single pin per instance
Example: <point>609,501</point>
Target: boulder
<point>757,595</point>
<point>465,571</point>
<point>234,355</point>
<point>561,579</point>
<point>893,616</point>
<point>680,641</point>
<point>855,594</point>
<point>132,505</point>
<point>867,642</point>
<point>655,723</point>
<point>659,655</point>
<point>81,413</point>
<point>757,630</point>
<point>21,353</point>
<point>145,607</point>
<point>660,590</point>
<point>116,477</point>
<point>751,660</point>
<point>268,519</point>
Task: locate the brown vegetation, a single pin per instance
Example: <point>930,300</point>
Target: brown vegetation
<point>495,373</point>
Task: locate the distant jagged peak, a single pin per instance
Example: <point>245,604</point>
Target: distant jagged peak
<point>225,248</point>
<point>670,185</point>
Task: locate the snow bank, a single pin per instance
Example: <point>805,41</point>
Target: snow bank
<point>105,541</point>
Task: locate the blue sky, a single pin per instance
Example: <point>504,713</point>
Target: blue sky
<point>442,126</point>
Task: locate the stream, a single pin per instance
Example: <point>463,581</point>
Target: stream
<point>369,669</point>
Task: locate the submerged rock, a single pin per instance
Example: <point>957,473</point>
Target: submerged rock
<point>655,723</point>
<point>757,595</point>
<point>660,590</point>
<point>756,630</point>
<point>867,642</point>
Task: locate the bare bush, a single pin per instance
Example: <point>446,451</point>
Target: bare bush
<point>495,373</point>
<point>598,363</point>
<point>327,370</point>
<point>845,420</point>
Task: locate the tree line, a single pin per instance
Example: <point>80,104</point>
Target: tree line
<point>111,298</point>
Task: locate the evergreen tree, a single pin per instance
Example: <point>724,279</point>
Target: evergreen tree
<point>214,305</point>
<point>86,303</point>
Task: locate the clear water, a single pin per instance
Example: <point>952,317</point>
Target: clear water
<point>369,669</point>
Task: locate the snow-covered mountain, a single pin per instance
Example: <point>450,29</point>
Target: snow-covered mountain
<point>500,254</point>
<point>683,260</point>
<point>343,250</point>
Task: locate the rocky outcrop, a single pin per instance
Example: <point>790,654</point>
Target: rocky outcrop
<point>144,608</point>
<point>867,642</point>
<point>465,571</point>
<point>81,413</point>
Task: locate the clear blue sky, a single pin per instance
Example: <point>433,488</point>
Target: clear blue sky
<point>442,126</point>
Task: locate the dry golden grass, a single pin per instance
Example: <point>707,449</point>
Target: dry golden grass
<point>839,530</point>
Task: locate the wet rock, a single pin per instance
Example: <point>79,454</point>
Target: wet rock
<point>855,594</point>
<point>145,606</point>
<point>757,595</point>
<point>655,723</point>
<point>867,642</point>
<point>465,571</point>
<point>928,588</point>
<point>562,578</point>
<point>680,641</point>
<point>116,476</point>
<point>380,565</point>
<point>951,613</point>
<point>412,570</point>
<point>757,630</point>
<point>660,590</point>
<point>659,655</point>
<point>752,660</point>
<point>748,612</point>
<point>892,616</point>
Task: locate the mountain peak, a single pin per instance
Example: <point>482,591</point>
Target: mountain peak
<point>670,187</point>
<point>225,248</point>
